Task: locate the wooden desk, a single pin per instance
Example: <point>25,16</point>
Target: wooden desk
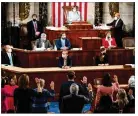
<point>73,35</point>
<point>89,43</point>
<point>31,59</point>
<point>59,75</point>
<point>79,26</point>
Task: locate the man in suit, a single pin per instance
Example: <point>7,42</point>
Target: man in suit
<point>73,103</point>
<point>34,29</point>
<point>43,42</point>
<point>65,87</point>
<point>108,42</point>
<point>63,43</point>
<point>7,57</point>
<point>65,61</point>
<point>118,32</point>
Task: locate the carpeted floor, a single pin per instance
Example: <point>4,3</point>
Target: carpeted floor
<point>54,108</point>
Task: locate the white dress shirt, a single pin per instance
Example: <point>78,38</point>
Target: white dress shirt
<point>10,58</point>
<point>109,41</point>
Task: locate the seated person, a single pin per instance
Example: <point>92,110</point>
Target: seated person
<point>102,59</point>
<point>73,15</point>
<point>63,43</point>
<point>65,61</point>
<point>43,42</point>
<point>108,42</point>
<point>8,57</point>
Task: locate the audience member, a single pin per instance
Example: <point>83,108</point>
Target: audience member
<point>4,94</point>
<point>122,101</point>
<point>9,101</point>
<point>8,57</point>
<point>108,42</point>
<point>73,103</point>
<point>105,105</point>
<point>23,95</point>
<point>43,42</point>
<point>65,61</point>
<point>40,103</point>
<point>64,89</point>
<point>102,58</point>
<point>117,24</point>
<point>107,87</point>
<point>63,43</point>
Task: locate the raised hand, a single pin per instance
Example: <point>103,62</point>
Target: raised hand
<point>115,78</point>
<point>52,85</point>
<point>84,80</point>
<point>90,87</point>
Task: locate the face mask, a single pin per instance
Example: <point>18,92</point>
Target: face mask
<point>74,10</point>
<point>103,52</point>
<point>34,19</point>
<point>115,18</point>
<point>63,37</point>
<point>108,36</point>
<point>43,39</point>
<point>64,56</point>
<point>9,50</point>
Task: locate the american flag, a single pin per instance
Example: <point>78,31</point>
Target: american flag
<point>58,18</point>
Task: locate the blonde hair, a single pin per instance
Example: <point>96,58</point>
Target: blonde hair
<point>13,76</point>
<point>122,98</point>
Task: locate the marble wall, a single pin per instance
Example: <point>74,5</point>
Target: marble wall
<point>34,8</point>
<point>126,12</point>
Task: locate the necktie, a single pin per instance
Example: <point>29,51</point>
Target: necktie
<point>65,62</point>
<point>35,26</point>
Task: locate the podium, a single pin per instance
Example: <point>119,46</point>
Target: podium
<point>89,43</point>
<point>81,25</point>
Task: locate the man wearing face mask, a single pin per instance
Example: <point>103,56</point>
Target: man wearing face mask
<point>117,24</point>
<point>65,61</point>
<point>108,42</point>
<point>63,43</point>
<point>73,15</point>
<point>7,57</point>
<point>43,42</point>
<point>102,58</point>
<point>34,29</point>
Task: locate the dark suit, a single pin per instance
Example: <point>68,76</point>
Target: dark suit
<point>59,44</point>
<point>73,103</point>
<point>65,90</point>
<point>118,32</point>
<point>5,59</point>
<point>104,60</point>
<point>38,43</point>
<point>61,62</point>
<point>31,31</point>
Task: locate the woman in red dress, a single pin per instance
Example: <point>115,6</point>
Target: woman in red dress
<point>10,90</point>
<point>109,42</point>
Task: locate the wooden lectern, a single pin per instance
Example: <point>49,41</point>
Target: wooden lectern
<point>79,25</point>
